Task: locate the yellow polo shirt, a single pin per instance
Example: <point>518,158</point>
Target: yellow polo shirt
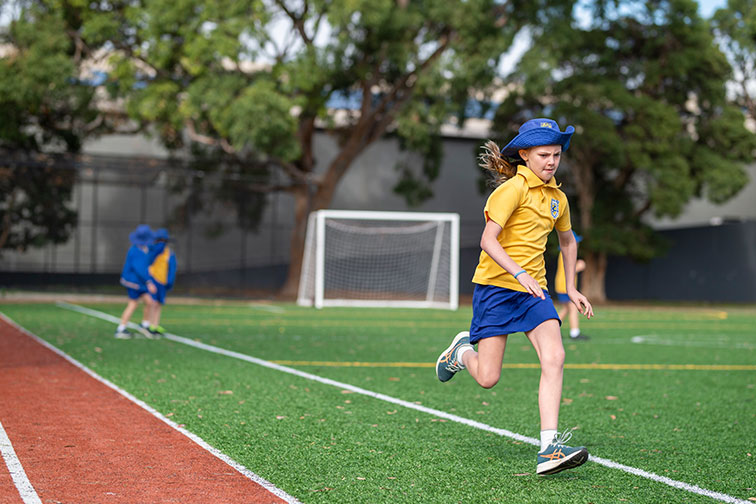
<point>527,209</point>
<point>560,280</point>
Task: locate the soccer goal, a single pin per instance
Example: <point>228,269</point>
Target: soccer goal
<point>381,259</point>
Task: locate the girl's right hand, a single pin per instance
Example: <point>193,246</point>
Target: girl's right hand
<point>531,285</point>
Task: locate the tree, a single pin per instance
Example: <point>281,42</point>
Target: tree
<point>735,28</point>
<point>209,77</point>
<point>47,111</point>
<point>644,85</point>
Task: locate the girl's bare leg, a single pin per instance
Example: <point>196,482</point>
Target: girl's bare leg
<point>547,341</point>
<point>485,364</point>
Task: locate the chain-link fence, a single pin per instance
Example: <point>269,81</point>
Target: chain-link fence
<point>227,234</point>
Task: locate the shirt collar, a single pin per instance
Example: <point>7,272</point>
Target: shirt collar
<point>532,178</point>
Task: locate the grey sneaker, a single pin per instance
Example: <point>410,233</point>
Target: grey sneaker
<point>580,337</point>
<point>122,334</point>
<point>557,456</point>
<point>447,364</point>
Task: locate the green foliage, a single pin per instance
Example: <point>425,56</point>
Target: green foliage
<point>735,28</point>
<point>644,86</point>
<point>216,73</point>
<point>34,206</point>
<point>47,109</point>
<point>43,102</point>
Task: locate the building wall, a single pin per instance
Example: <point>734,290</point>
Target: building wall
<point>112,204</point>
<point>715,263</point>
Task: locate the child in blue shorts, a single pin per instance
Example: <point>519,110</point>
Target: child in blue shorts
<point>135,278</point>
<point>510,280</point>
<point>162,272</point>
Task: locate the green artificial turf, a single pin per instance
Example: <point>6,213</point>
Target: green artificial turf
<point>323,443</point>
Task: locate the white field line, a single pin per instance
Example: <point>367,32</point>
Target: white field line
<point>267,308</point>
<point>23,485</point>
<point>222,456</point>
<point>438,413</point>
<point>720,342</point>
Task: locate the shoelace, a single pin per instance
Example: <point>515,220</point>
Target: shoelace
<point>454,367</point>
<point>561,438</point>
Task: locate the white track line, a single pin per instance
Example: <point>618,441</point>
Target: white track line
<point>222,456</point>
<point>23,485</point>
<point>438,413</point>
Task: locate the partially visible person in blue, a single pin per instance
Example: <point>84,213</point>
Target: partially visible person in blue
<point>136,279</point>
<point>162,272</point>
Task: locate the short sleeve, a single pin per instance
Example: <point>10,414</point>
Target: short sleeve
<point>503,201</point>
<point>563,222</point>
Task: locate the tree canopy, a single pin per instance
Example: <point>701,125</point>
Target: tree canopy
<point>735,28</point>
<point>212,78</point>
<point>240,87</point>
<point>47,111</point>
<point>645,88</point>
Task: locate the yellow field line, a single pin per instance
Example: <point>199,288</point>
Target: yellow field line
<point>612,367</point>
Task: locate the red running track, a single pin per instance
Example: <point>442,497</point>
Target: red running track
<point>79,441</point>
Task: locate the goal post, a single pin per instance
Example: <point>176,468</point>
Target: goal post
<point>380,259</point>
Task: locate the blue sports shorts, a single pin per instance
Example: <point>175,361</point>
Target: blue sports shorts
<point>159,295</point>
<point>135,293</point>
<point>498,311</point>
<point>563,298</point>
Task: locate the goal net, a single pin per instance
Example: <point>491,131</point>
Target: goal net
<point>382,259</point>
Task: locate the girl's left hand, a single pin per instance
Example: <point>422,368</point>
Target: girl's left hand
<point>582,303</point>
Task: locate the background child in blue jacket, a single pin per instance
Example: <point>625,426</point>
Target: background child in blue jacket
<point>135,277</point>
<point>162,271</point>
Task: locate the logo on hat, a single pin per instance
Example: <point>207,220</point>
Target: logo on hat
<point>554,208</point>
<point>545,125</point>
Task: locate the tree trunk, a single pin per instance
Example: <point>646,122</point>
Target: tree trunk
<point>301,211</point>
<point>593,278</point>
<point>303,205</point>
<point>362,135</point>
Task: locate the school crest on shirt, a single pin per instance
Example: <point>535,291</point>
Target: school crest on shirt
<point>554,207</point>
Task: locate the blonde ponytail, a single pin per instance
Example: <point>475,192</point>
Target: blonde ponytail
<point>492,161</point>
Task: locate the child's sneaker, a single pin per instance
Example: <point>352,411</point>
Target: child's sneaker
<point>558,456</point>
<point>447,364</point>
<point>580,337</point>
<point>122,334</point>
<point>156,331</point>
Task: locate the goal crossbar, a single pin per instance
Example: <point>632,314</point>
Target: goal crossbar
<point>381,259</point>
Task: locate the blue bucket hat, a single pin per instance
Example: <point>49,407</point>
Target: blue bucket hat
<point>537,132</point>
<point>142,235</point>
<point>162,234</point>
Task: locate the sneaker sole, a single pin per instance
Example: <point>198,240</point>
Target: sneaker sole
<point>456,339</point>
<point>145,333</point>
<point>574,460</point>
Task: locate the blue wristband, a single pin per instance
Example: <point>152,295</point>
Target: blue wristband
<point>519,273</point>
